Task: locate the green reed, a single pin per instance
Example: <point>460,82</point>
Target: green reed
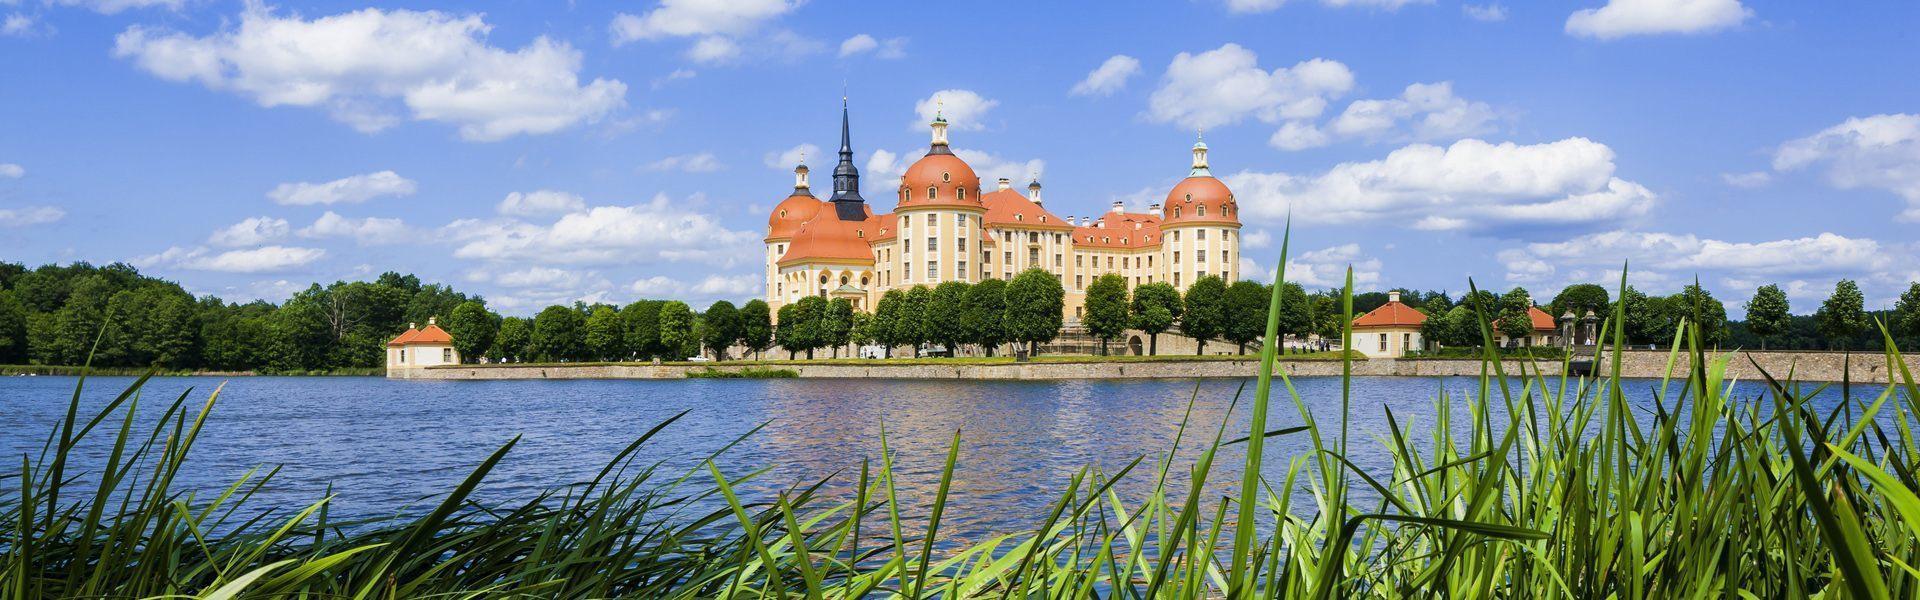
<point>1560,487</point>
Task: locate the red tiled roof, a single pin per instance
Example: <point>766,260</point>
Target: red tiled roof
<point>1125,231</point>
<point>790,214</point>
<point>1541,320</point>
<point>1391,314</point>
<point>404,337</point>
<point>947,174</point>
<point>826,238</point>
<point>431,335</point>
<point>1009,208</point>
<point>1184,202</point>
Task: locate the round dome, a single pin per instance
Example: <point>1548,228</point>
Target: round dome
<point>940,179</point>
<point>1200,199</point>
<point>790,214</point>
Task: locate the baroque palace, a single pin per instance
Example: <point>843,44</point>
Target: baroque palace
<point>943,228</point>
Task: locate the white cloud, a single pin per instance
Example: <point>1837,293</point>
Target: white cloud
<point>963,109</point>
<point>349,190</point>
<point>1473,185</point>
<point>531,277</point>
<point>359,65</point>
<point>12,171</point>
<point>1747,180</point>
<point>251,231</point>
<point>703,162</point>
<point>1255,239</point>
<point>884,169</point>
<point>540,202</point>
<point>713,287</point>
<point>713,50</point>
<point>17,25</point>
<point>265,259</point>
<point>676,75</point>
<point>370,231</point>
<point>1485,12</point>
<point>30,215</point>
<point>892,48</point>
<point>1299,135</point>
<point>992,167</point>
<point>791,157</point>
<point>1327,267</point>
<point>1880,152</point>
<point>1226,85</point>
<point>1428,111</point>
<point>1621,18</point>
<point>1687,254</point>
<point>1109,77</point>
<point>1260,6</point>
<point>660,230</point>
<point>697,18</point>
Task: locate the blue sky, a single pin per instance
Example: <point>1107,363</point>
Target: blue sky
<point>539,153</point>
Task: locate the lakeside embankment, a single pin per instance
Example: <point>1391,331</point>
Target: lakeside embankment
<point>1866,367</point>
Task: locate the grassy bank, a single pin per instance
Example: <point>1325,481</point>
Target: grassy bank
<point>12,370</point>
<point>746,373</point>
<point>962,360</point>
<point>1573,493</point>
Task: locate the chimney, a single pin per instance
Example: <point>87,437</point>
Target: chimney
<point>1393,296</point>
<point>1006,184</point>
<point>1153,209</point>
<point>412,325</point>
<point>430,320</point>
<point>1119,207</point>
<point>1033,191</point>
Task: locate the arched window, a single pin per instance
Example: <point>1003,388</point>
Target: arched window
<point>962,192</point>
<point>823,279</point>
<point>1200,211</point>
<point>932,191</point>
<point>1176,212</point>
<point>844,279</point>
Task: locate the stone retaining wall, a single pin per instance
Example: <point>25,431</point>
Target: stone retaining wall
<point>1806,366</point>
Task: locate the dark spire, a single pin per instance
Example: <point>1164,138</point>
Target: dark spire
<point>846,178</point>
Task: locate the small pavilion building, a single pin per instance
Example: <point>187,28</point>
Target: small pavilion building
<point>418,348</point>
<point>1391,331</point>
<point>1545,332</point>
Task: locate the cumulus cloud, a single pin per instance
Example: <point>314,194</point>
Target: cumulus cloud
<point>346,190</point>
<point>791,157</point>
<point>531,277</point>
<point>1666,254</point>
<point>540,202</point>
<point>884,168</point>
<point>1747,180</point>
<point>1260,6</point>
<point>1621,18</point>
<point>370,231</point>
<point>703,162</point>
<point>1485,12</point>
<point>12,171</point>
<point>963,109</point>
<point>891,48</point>
<point>365,66</point>
<point>17,25</point>
<point>660,230</point>
<point>265,259</point>
<point>251,231</point>
<point>1423,112</point>
<point>108,7</point>
<point>1877,152</point>
<point>1226,85</point>
<point>1327,267</point>
<point>1109,77</point>
<point>713,287</point>
<point>716,26</point>
<point>1472,185</point>
<point>30,215</point>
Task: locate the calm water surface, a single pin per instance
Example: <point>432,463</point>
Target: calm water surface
<point>388,446</point>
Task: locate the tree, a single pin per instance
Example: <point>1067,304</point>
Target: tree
<point>1106,308</point>
<point>1155,307</point>
<point>1697,306</point>
<point>1842,317</point>
<point>756,326</point>
<point>604,338</point>
<point>887,315</point>
<point>983,318</point>
<point>1205,316</point>
<point>1516,318</point>
<point>1246,310</point>
<point>836,328</point>
<point>801,325</point>
<point>676,329</point>
<point>1905,322</point>
<point>473,328</point>
<point>510,344</point>
<point>1578,299</point>
<point>558,335</point>
<point>862,332</point>
<point>640,323</point>
<point>724,327</point>
<point>913,317</point>
<point>1767,313</point>
<point>1035,300</point>
<point>943,318</point>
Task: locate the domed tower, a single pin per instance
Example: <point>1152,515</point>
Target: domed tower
<point>786,218</point>
<point>940,217</point>
<point>1200,227</point>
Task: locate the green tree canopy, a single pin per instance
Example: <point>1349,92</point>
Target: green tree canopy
<point>1906,316</point>
<point>1035,300</point>
<point>1578,299</point>
<point>640,323</point>
<point>724,328</point>
<point>944,318</point>
<point>756,326</point>
<point>911,328</point>
<point>1106,309</point>
<point>1155,307</point>
<point>1842,316</point>
<point>1205,316</point>
<point>604,337</point>
<point>1516,320</point>
<point>559,334</point>
<point>1694,304</point>
<point>473,328</point>
<point>1246,310</point>
<point>676,330</point>
<point>887,315</point>
<point>983,318</point>
<point>510,344</point>
<point>1768,313</point>
<point>836,326</point>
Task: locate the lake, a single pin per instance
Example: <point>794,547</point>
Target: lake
<point>384,446</point>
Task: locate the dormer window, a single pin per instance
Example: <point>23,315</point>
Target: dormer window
<point>962,192</point>
<point>1019,217</point>
<point>932,192</point>
<point>1043,218</point>
<point>783,213</point>
<point>1200,211</point>
<point>859,233</point>
<point>1176,212</point>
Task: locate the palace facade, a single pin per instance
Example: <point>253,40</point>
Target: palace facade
<point>945,227</point>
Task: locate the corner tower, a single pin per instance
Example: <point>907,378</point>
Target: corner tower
<point>1200,227</point>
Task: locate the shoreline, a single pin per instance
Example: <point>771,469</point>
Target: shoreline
<point>1865,367</point>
